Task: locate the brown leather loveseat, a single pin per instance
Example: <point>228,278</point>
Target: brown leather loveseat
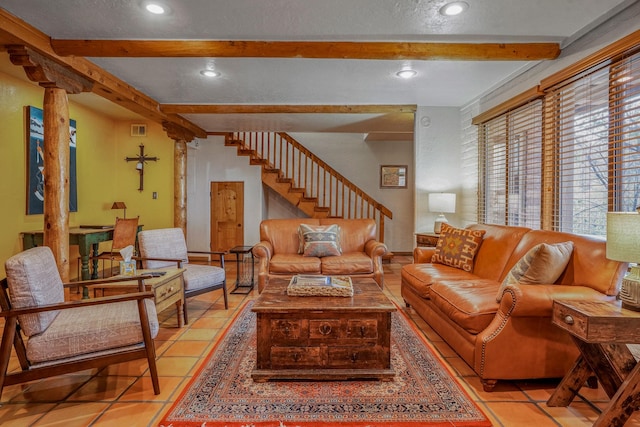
<point>514,338</point>
<point>279,250</point>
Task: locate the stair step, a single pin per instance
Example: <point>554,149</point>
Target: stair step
<point>297,190</point>
<point>246,152</point>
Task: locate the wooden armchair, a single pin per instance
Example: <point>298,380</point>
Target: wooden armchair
<point>167,247</point>
<point>53,337</point>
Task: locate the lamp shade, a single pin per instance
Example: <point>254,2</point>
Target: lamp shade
<point>118,205</point>
<point>623,236</point>
<point>442,202</point>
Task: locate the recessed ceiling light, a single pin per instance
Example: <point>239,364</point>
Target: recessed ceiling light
<point>155,8</point>
<point>406,74</point>
<point>455,8</point>
<point>209,73</point>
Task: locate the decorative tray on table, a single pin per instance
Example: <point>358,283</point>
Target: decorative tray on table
<point>314,285</point>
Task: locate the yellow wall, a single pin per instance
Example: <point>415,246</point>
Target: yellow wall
<point>103,174</point>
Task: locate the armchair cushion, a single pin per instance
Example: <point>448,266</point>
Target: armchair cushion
<point>33,279</point>
<point>162,243</point>
<point>198,276</point>
<point>103,327</point>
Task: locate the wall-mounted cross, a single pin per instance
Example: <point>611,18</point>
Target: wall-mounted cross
<point>141,159</point>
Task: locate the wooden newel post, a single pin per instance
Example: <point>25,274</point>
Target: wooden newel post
<point>56,177</point>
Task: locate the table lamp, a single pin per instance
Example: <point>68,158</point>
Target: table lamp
<point>120,205</point>
<point>623,244</point>
<point>441,203</point>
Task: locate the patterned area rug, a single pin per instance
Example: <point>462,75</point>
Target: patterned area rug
<point>222,393</point>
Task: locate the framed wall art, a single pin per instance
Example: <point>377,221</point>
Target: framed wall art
<point>35,163</point>
<point>393,176</point>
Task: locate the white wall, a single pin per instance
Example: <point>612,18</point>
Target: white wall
<point>437,162</point>
<point>212,161</point>
<point>360,162</point>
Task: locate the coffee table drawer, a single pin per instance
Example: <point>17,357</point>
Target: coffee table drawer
<point>295,357</point>
<point>354,357</point>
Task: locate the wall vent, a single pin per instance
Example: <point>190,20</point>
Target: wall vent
<point>138,130</point>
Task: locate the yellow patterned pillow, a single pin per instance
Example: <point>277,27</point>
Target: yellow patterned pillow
<point>457,247</point>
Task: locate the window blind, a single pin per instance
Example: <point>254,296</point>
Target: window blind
<point>592,122</point>
<point>511,146</point>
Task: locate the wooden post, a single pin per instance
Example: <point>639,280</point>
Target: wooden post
<point>180,185</point>
<point>56,177</point>
<point>57,81</point>
<point>181,136</point>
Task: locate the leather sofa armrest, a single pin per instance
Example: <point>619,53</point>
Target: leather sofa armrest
<point>422,255</point>
<point>373,248</point>
<point>537,300</point>
<point>263,249</point>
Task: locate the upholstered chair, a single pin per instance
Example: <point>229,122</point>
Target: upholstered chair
<point>53,337</point>
<point>166,247</point>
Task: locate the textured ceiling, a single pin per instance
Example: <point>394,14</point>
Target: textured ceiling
<point>292,81</point>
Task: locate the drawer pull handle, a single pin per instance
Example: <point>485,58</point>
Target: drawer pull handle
<point>325,329</point>
<point>568,319</point>
<point>296,357</point>
<point>354,357</point>
<point>362,331</point>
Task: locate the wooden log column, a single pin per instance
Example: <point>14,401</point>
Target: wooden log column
<point>56,177</point>
<point>57,81</point>
<point>180,136</point>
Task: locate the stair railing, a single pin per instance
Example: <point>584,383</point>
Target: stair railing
<point>308,173</point>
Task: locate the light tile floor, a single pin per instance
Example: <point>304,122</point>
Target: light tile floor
<point>122,395</point>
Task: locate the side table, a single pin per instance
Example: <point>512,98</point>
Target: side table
<point>244,269</point>
<point>427,239</point>
<point>601,331</point>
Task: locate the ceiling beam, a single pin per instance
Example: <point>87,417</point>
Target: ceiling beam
<point>105,84</point>
<point>284,109</point>
<point>308,49</point>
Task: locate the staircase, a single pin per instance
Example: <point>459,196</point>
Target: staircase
<point>305,180</point>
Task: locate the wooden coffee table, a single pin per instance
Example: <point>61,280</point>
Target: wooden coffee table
<point>323,338</point>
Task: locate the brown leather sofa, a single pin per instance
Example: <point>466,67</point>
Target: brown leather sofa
<point>513,339</point>
<point>278,255</point>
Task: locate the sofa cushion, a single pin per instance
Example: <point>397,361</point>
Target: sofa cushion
<point>351,263</point>
<point>420,277</point>
<point>457,247</point>
<point>471,304</point>
<point>542,264</point>
<point>319,240</point>
<point>294,264</point>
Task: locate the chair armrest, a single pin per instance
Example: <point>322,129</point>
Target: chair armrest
<point>75,304</point>
<point>220,254</point>
<point>537,300</point>
<point>177,261</point>
<point>373,248</point>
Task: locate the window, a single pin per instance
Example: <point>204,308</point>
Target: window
<point>562,162</point>
<point>595,137</point>
<point>511,149</point>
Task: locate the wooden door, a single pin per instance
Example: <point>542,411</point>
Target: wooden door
<point>227,215</point>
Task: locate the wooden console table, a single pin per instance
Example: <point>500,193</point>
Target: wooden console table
<point>601,331</point>
<point>87,239</point>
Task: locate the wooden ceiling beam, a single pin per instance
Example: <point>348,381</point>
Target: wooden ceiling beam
<point>308,49</point>
<point>104,84</point>
<point>284,109</point>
